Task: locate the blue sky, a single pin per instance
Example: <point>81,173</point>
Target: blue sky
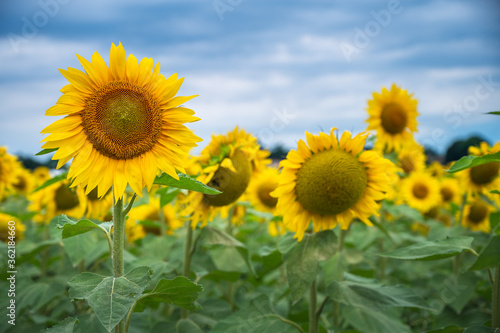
<point>275,68</point>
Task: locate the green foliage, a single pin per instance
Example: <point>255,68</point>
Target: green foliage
<point>185,182</point>
<point>65,326</point>
<point>472,161</point>
<point>111,298</point>
<point>51,181</point>
<point>489,257</point>
<point>432,250</point>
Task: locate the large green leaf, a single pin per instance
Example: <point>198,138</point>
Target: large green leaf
<point>302,259</point>
<point>490,254</point>
<point>258,317</point>
<point>213,236</point>
<point>374,296</point>
<point>187,326</point>
<point>65,326</point>
<point>179,291</point>
<point>373,321</point>
<point>79,246</point>
<point>434,250</point>
<point>110,297</point>
<point>51,181</point>
<point>185,182</point>
<point>472,161</point>
<point>71,228</point>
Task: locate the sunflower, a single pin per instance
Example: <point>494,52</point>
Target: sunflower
<point>393,114</point>
<point>420,191</point>
<point>98,208</point>
<point>476,216</point>
<point>24,182</point>
<point>122,123</point>
<point>41,174</point>
<point>260,188</point>
<point>151,212</point>
<point>437,170</point>
<point>330,183</point>
<point>227,164</point>
<point>450,191</point>
<point>10,226</point>
<point>482,178</point>
<point>8,165</point>
<point>412,158</point>
<point>57,199</point>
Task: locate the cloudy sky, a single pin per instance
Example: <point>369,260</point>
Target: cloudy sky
<point>275,68</point>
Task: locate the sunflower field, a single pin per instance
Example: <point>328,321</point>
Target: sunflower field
<point>348,233</point>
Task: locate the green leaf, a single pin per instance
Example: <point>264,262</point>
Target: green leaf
<point>495,191</point>
<point>258,317</point>
<point>185,182</point>
<point>79,246</point>
<point>167,194</point>
<point>373,321</point>
<point>51,181</point>
<point>493,112</point>
<point>65,326</point>
<point>46,151</point>
<point>434,250</point>
<point>302,259</point>
<point>448,329</point>
<point>110,297</point>
<point>374,296</point>
<point>71,228</point>
<point>187,326</point>
<point>180,291</point>
<point>472,161</point>
<point>489,255</point>
<point>213,236</point>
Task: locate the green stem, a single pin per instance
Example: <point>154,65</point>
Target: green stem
<point>462,206</point>
<point>313,323</point>
<point>340,248</point>
<point>118,245</point>
<point>187,258</point>
<point>495,299</point>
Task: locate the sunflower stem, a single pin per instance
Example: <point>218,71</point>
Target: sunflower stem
<point>313,322</point>
<point>495,300</point>
<point>187,258</point>
<point>118,245</point>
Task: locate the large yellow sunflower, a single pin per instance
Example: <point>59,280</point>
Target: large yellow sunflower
<point>393,114</point>
<point>330,182</point>
<point>476,216</point>
<point>482,178</point>
<point>227,164</point>
<point>421,191</point>
<point>450,191</point>
<point>122,123</point>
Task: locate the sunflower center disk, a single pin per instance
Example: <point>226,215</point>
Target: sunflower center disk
<point>420,191</point>
<point>484,173</point>
<point>65,199</point>
<point>265,197</point>
<point>122,120</point>
<point>478,212</point>
<point>394,118</point>
<point>330,182</point>
<point>446,194</point>
<point>231,184</point>
<point>20,183</point>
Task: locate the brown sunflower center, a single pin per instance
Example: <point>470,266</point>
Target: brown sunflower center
<point>231,184</point>
<point>446,194</point>
<point>20,184</point>
<point>122,120</point>
<point>264,194</point>
<point>407,164</point>
<point>478,212</point>
<point>65,199</point>
<point>420,191</point>
<point>93,195</point>
<point>330,182</point>
<point>394,118</point>
<point>483,174</point>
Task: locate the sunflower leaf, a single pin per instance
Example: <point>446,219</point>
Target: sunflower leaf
<point>493,112</point>
<point>489,256</point>
<point>51,181</point>
<point>46,151</point>
<point>71,228</point>
<point>472,161</point>
<point>110,297</point>
<point>434,250</point>
<point>178,291</point>
<point>185,182</point>
<point>65,326</point>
